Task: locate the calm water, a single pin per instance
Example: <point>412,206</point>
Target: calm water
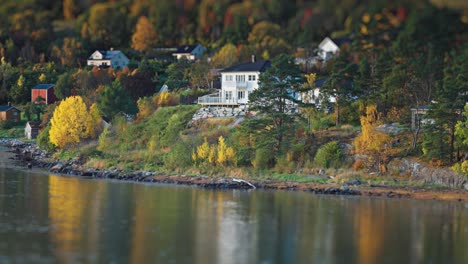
<point>53,219</point>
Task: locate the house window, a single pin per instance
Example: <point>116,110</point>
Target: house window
<point>229,78</point>
<point>228,95</point>
<point>240,78</point>
<point>252,77</point>
<point>240,94</point>
<point>15,113</point>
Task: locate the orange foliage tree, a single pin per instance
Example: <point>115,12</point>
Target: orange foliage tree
<point>376,145</point>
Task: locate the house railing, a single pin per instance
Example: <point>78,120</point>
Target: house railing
<point>216,99</point>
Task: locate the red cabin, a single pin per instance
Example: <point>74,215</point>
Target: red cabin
<point>45,91</point>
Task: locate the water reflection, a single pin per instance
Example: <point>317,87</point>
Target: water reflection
<point>64,219</point>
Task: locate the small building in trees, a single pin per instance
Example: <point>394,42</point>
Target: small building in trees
<point>108,58</point>
<point>190,52</point>
<point>32,129</point>
<point>237,82</point>
<point>10,113</point>
<point>330,48</point>
<point>418,117</point>
<point>44,94</point>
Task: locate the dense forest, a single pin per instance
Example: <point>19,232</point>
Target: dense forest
<point>404,54</point>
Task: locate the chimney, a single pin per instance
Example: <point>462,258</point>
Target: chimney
<point>111,48</point>
<point>9,103</point>
<point>253,58</point>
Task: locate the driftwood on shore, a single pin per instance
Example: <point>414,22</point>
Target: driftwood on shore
<point>244,181</point>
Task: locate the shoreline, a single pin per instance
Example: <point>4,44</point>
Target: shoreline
<point>11,157</point>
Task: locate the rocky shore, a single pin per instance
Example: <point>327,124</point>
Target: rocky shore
<point>27,156</point>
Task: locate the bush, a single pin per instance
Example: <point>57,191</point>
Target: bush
<point>461,168</point>
<point>285,166</point>
<point>329,155</point>
<point>43,140</point>
<point>262,158</point>
<point>323,123</point>
<point>179,157</point>
<point>104,140</point>
<point>6,125</point>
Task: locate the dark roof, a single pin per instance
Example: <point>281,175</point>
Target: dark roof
<point>320,83</point>
<point>4,108</point>
<point>186,48</point>
<point>259,66</point>
<point>43,86</point>
<point>341,41</point>
<point>34,124</point>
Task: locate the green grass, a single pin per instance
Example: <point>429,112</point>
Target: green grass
<point>298,178</point>
<point>14,132</point>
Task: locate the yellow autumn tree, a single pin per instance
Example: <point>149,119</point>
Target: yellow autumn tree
<point>225,154</point>
<point>375,144</point>
<point>226,56</point>
<point>69,123</point>
<point>212,155</point>
<point>145,36</point>
<point>145,107</point>
<point>202,151</point>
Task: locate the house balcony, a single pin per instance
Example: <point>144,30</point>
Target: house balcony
<point>217,99</point>
<point>241,85</point>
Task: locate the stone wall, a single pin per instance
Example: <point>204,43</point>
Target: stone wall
<point>423,174</point>
<point>219,111</point>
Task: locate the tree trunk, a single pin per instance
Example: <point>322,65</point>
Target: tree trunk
<point>337,123</point>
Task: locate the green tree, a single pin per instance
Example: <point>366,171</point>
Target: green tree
<point>199,74</point>
<point>177,74</point>
<point>451,97</point>
<point>64,86</point>
<point>107,25</point>
<point>275,98</point>
<point>340,84</point>
<point>114,99</point>
<point>20,92</point>
<point>164,15</point>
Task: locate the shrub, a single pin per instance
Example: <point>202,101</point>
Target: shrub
<point>461,168</point>
<point>358,164</point>
<point>43,140</point>
<point>104,140</point>
<point>329,155</point>
<point>323,123</point>
<point>284,165</point>
<point>262,158</point>
<point>179,157</point>
<point>6,125</point>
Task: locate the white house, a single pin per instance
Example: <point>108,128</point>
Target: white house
<point>110,58</point>
<point>237,83</point>
<point>190,52</point>
<point>327,49</point>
